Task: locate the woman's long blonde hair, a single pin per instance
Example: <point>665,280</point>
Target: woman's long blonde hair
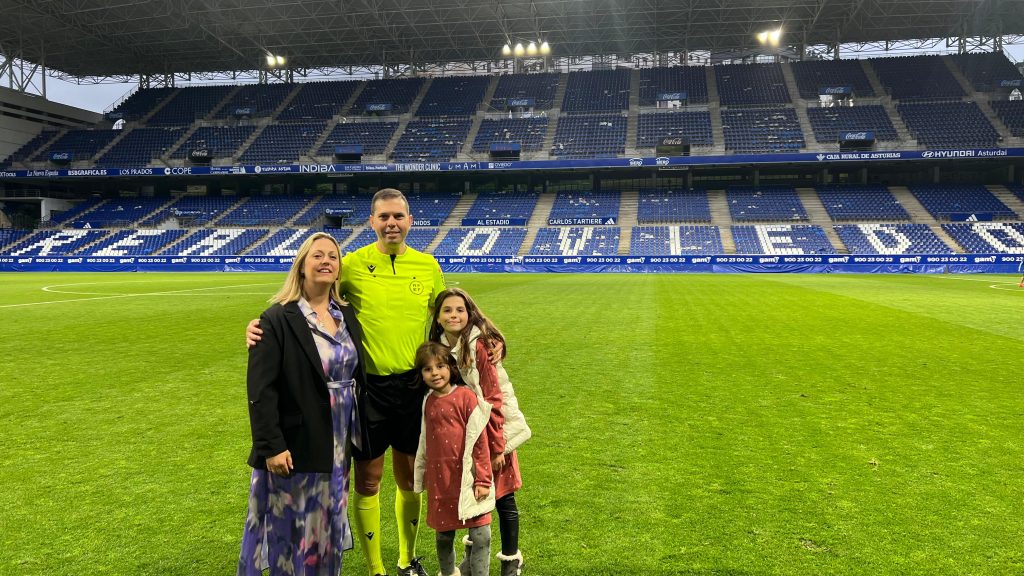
<point>292,289</point>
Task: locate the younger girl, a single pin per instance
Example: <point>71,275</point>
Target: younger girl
<point>459,323</point>
<point>452,463</point>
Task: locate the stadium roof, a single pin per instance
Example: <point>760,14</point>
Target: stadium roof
<point>91,38</point>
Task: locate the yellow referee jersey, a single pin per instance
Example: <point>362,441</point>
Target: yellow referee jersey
<point>392,296</point>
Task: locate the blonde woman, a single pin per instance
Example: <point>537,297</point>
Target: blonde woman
<point>302,382</point>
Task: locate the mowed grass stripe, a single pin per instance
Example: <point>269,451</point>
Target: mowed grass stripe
<point>684,424</point>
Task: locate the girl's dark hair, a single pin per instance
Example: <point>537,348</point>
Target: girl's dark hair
<point>488,331</point>
<point>429,351</point>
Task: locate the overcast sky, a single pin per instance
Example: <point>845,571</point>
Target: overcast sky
<point>101,97</point>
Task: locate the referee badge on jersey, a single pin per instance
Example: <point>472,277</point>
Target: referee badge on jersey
<point>416,287</point>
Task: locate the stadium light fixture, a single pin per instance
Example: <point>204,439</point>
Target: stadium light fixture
<point>271,60</point>
<point>506,50</point>
<point>519,51</point>
<point>770,37</point>
<point>280,60</point>
<point>531,49</point>
<point>545,49</point>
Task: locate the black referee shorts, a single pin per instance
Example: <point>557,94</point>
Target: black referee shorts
<point>392,409</point>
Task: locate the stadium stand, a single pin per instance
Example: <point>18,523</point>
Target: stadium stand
<point>572,204</point>
<point>140,103</point>
<point>62,218</point>
<point>888,238</point>
<point>916,77</point>
<point>528,132</point>
<point>81,144</point>
<point>781,239</point>
<point>372,136</point>
<point>751,84</point>
<point>255,100</point>
<point>435,206</point>
<point>946,199</point>
<point>28,149</point>
<point>1018,191</point>
<point>1011,112</point>
<point>694,126</point>
<point>590,136</point>
<point>762,130</point>
<point>140,146</point>
<point>482,241</point>
<point>358,207</point>
<point>675,240</point>
<point>453,96</point>
<point>216,242</point>
<point>318,101</point>
<point>193,211</point>
<point>747,204</point>
<point>501,205</point>
<point>221,141</point>
<point>10,236</point>
<point>118,213</point>
<point>596,91</point>
<point>988,237</point>
<point>189,104</point>
<point>985,70</point>
<point>56,242</point>
<point>541,87</point>
<point>949,124</point>
<point>419,238</point>
<point>812,75</point>
<point>689,79</point>
<point>829,122</point>
<point>284,242</point>
<point>576,241</point>
<point>658,205</point>
<point>860,202</point>
<point>136,242</point>
<point>283,143</point>
<point>433,140</point>
<point>264,211</point>
<point>399,93</point>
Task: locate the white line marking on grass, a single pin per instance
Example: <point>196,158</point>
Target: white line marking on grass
<point>1013,284</point>
<point>183,292</point>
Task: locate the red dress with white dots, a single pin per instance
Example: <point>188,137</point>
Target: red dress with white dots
<point>445,422</point>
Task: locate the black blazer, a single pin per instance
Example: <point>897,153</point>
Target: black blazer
<point>289,406</point>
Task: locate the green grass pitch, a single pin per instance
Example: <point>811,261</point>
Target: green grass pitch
<point>683,424</point>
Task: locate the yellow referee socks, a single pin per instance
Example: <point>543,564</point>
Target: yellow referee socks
<point>367,521</point>
<point>407,515</point>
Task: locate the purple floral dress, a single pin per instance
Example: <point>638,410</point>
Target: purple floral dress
<point>298,526</point>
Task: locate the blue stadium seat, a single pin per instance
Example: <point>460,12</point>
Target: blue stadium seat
<point>660,205</point>
<point>482,241</point>
<point>886,238</point>
<point>845,202</point>
<point>576,241</point>
<point>675,240</point>
<point>781,239</point>
<point>988,237</point>
<point>747,204</point>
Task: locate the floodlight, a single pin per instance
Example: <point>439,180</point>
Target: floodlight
<point>545,49</point>
<point>519,51</point>
<point>531,49</point>
<point>506,50</point>
<point>280,60</point>
<point>271,60</point>
<point>774,36</point>
<point>762,37</point>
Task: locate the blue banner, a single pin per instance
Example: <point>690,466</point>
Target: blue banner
<point>583,164</point>
<point>521,102</point>
<point>243,111</point>
<point>61,157</point>
<point>607,220</point>
<point>971,217</point>
<point>506,147</point>
<point>669,96</point>
<point>1014,83</point>
<point>379,107</point>
<point>348,149</point>
<point>835,90</point>
<point>494,221</point>
<point>863,135</point>
<point>853,263</point>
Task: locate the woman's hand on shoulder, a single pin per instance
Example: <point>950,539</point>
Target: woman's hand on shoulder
<point>253,334</point>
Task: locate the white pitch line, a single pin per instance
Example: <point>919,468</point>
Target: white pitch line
<point>165,293</point>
